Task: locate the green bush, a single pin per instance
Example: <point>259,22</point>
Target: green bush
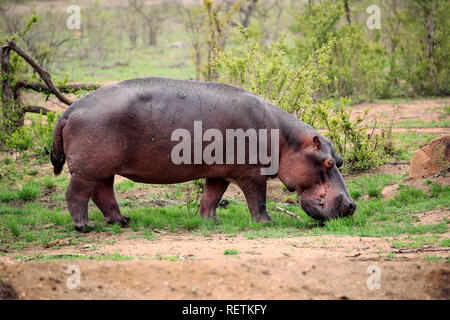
<point>355,66</point>
<point>270,73</point>
<point>36,137</point>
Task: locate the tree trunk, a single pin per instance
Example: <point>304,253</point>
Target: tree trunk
<point>7,94</point>
<point>430,26</point>
<point>152,38</point>
<point>248,13</point>
<point>11,109</point>
<point>347,12</point>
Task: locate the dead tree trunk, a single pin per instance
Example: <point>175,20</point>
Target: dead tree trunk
<point>7,95</point>
<point>12,112</point>
<point>45,76</point>
<point>430,26</point>
<point>347,12</point>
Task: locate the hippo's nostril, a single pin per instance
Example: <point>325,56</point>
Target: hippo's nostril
<point>351,207</point>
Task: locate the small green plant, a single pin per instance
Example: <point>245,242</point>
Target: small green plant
<point>231,252</point>
<point>355,194</point>
<point>7,160</point>
<point>6,195</point>
<point>433,258</point>
<point>116,228</point>
<point>14,227</point>
<point>374,192</point>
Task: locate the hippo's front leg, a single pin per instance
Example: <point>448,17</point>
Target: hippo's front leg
<point>213,192</point>
<point>254,189</point>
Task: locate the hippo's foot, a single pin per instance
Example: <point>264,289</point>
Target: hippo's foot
<point>263,217</point>
<point>85,227</point>
<point>122,220</point>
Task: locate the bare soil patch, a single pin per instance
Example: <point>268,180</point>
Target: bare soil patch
<point>315,267</point>
<point>426,110</point>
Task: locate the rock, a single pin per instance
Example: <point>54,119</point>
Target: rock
<point>431,159</point>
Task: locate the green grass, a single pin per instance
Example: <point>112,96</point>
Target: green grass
<point>39,257</point>
<point>410,142</point>
<point>434,258</point>
<point>28,191</point>
<point>414,242</point>
<point>370,185</point>
<point>25,221</point>
<point>145,62</point>
<point>422,124</point>
<point>445,243</point>
<point>34,224</point>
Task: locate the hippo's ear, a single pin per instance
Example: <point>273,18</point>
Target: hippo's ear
<point>316,141</point>
<point>339,161</point>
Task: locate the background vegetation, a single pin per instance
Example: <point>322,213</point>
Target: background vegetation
<point>311,58</point>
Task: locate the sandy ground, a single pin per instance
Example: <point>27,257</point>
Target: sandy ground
<point>322,267</point>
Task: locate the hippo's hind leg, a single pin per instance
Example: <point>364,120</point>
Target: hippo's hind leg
<point>254,189</point>
<point>103,197</point>
<point>78,193</point>
<point>214,190</point>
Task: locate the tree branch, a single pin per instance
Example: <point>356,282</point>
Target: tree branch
<point>36,109</point>
<point>40,87</point>
<point>289,213</point>
<point>42,73</point>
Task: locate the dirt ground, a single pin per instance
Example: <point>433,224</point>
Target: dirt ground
<point>319,267</point>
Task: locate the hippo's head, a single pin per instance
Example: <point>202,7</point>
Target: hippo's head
<point>311,169</point>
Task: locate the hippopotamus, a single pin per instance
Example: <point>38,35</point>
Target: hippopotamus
<point>133,129</point>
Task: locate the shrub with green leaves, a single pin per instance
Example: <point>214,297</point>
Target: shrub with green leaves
<point>356,64</point>
<point>36,137</point>
<point>270,73</point>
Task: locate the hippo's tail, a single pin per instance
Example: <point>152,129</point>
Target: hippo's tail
<point>57,155</point>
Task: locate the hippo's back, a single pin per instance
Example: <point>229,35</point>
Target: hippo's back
<point>126,128</point>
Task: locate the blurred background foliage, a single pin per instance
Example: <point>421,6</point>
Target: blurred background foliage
<point>313,58</point>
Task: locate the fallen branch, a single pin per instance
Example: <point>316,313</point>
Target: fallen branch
<point>289,213</point>
<point>36,109</point>
<point>69,88</point>
<point>41,71</point>
<point>424,249</point>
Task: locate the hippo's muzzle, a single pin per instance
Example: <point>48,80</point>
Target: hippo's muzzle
<point>320,209</point>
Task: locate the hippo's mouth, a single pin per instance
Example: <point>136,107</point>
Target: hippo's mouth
<point>323,210</point>
<point>314,208</point>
